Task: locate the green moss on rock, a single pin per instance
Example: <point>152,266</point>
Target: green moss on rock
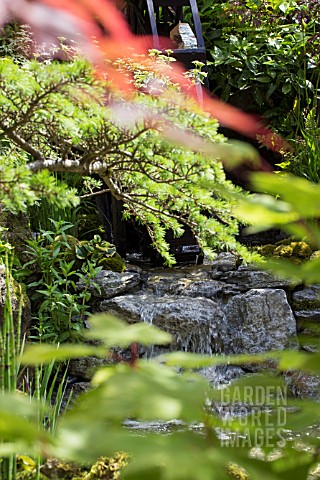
<point>315,255</point>
<point>283,251</point>
<point>295,250</point>
<point>108,468</point>
<point>236,472</point>
<point>114,263</point>
<point>301,249</point>
<point>267,250</point>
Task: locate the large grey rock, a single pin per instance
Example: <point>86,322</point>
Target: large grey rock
<point>192,281</point>
<point>111,283</point>
<point>185,286</point>
<point>247,278</point>
<point>175,281</point>
<point>258,321</point>
<point>194,323</point>
<point>306,299</point>
<point>205,288</point>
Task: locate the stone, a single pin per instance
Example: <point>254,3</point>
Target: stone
<point>111,283</point>
<point>247,278</point>
<point>205,288</point>
<point>174,282</point>
<point>221,375</point>
<point>225,262</point>
<point>303,385</point>
<point>194,323</point>
<point>307,298</point>
<point>83,368</point>
<point>194,283</point>
<point>258,321</point>
<point>18,296</point>
<point>308,315</point>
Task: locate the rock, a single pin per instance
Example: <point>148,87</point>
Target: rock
<point>308,315</point>
<point>247,278</point>
<point>303,385</point>
<point>199,288</point>
<point>57,469</point>
<point>258,321</point>
<point>197,284</point>
<point>15,231</point>
<point>18,296</point>
<point>83,368</point>
<point>194,323</point>
<point>111,283</point>
<point>130,267</point>
<point>221,375</point>
<point>168,282</point>
<point>205,288</point>
<point>308,332</point>
<point>306,306</point>
<point>72,392</point>
<point>307,298</point>
<point>225,262</point>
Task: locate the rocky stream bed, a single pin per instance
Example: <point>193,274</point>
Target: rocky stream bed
<point>217,308</point>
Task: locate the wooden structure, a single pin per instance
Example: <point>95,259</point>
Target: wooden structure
<point>158,17</point>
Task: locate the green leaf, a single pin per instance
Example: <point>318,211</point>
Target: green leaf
<point>146,392</point>
<point>41,354</point>
<point>264,211</point>
<point>194,360</point>
<point>286,88</point>
<point>115,332</point>
<point>292,360</point>
<point>302,195</point>
<point>307,272</point>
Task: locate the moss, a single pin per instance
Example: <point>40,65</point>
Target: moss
<point>105,468</point>
<point>283,251</point>
<point>89,223</point>
<point>59,469</point>
<point>301,249</point>
<point>315,255</point>
<point>267,250</point>
<point>296,251</point>
<point>108,468</point>
<point>114,263</point>
<point>236,472</point>
<point>20,293</point>
<point>286,241</point>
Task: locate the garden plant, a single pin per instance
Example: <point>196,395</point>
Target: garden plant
<point>156,150</point>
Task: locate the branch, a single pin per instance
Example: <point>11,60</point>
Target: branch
<point>66,165</point>
<point>94,194</point>
<point>27,147</point>
<point>116,192</point>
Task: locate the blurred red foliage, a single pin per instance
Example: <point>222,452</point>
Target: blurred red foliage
<point>92,22</point>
